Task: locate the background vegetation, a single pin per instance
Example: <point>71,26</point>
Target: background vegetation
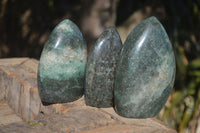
<point>26,24</point>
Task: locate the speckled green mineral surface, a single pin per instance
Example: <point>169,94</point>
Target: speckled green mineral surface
<point>61,71</point>
<point>146,71</point>
<point>100,69</point>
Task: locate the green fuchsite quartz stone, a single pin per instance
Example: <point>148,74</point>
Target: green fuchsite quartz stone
<point>61,70</point>
<point>146,71</point>
<point>101,69</point>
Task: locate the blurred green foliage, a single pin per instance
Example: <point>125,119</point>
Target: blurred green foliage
<point>182,110</point>
<point>183,106</point>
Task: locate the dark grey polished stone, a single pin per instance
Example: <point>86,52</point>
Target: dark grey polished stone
<point>101,69</point>
<point>61,70</point>
<point>146,71</point>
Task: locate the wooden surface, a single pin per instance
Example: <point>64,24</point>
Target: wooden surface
<point>7,115</point>
<point>18,89</point>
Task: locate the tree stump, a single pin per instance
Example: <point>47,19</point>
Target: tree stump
<point>21,109</point>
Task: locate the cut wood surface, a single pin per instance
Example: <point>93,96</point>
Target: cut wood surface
<point>21,109</point>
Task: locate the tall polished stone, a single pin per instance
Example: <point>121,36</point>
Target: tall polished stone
<point>61,70</point>
<point>101,69</point>
<point>146,71</point>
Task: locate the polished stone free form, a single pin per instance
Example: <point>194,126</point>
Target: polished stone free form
<point>61,70</point>
<point>101,69</point>
<point>146,71</point>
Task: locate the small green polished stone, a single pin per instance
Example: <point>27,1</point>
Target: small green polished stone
<point>146,71</point>
<point>61,70</point>
<point>100,69</point>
